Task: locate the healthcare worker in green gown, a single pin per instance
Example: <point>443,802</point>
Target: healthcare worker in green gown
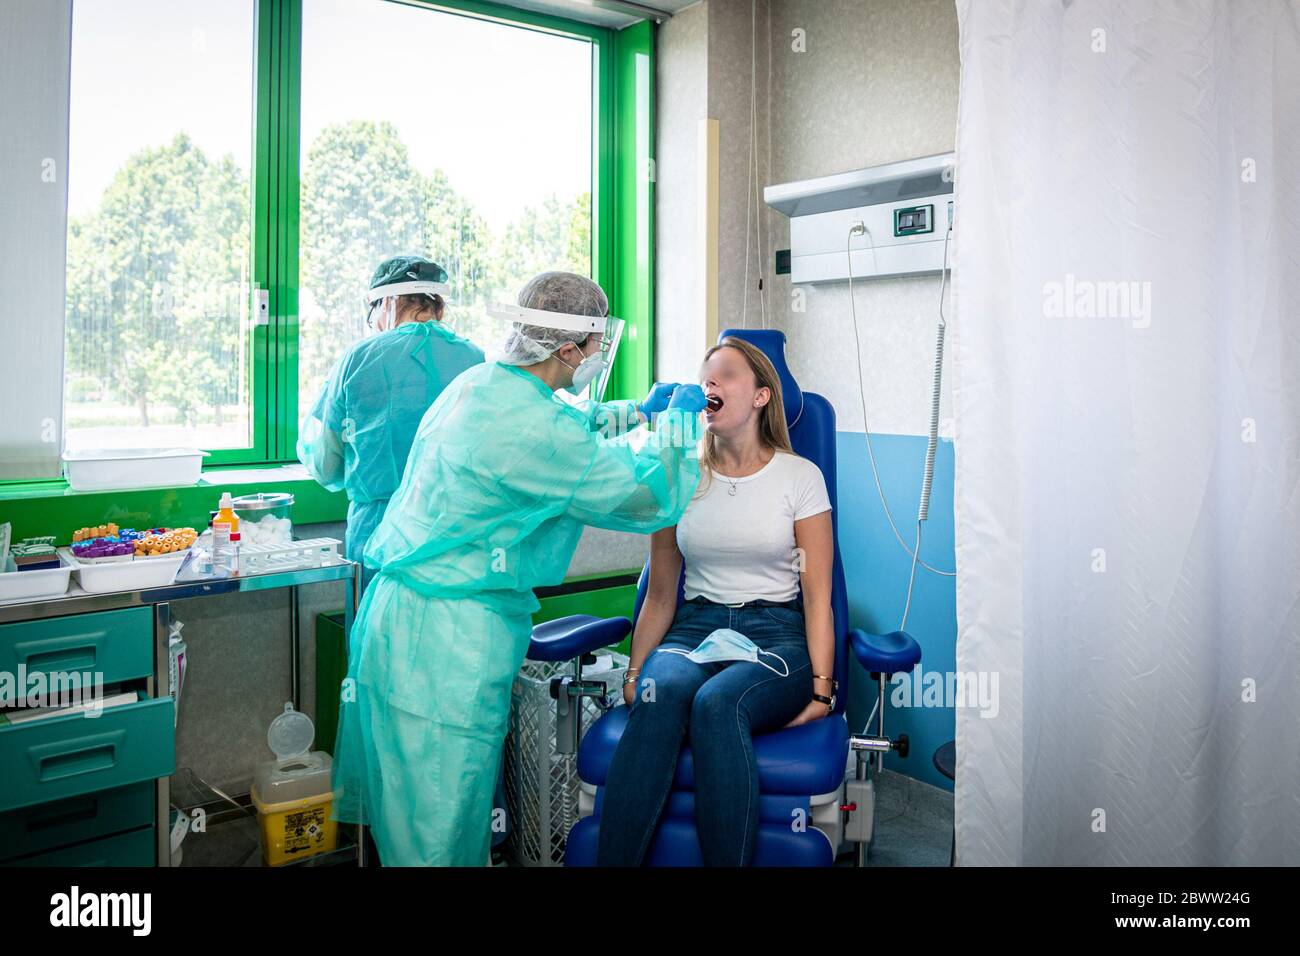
<point>501,479</point>
<point>360,430</point>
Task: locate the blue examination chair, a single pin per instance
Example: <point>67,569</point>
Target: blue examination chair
<point>808,809</point>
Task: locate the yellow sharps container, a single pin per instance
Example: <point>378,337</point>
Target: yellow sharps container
<point>292,793</point>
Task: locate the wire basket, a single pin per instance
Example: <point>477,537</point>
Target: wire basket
<point>541,785</point>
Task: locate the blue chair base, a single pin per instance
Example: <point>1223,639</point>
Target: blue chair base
<point>676,844</point>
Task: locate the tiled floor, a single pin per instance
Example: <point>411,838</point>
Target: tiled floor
<point>913,823</point>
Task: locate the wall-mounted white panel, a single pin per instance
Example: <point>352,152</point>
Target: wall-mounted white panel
<point>905,207</point>
<point>821,245</point>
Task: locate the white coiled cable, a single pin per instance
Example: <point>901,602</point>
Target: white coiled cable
<point>928,479</point>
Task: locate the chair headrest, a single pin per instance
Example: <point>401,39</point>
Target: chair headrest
<point>772,343</point>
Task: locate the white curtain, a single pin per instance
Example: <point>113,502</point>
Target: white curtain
<point>1126,367</point>
<point>35,51</point>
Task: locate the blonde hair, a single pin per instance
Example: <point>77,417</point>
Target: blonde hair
<point>773,432</point>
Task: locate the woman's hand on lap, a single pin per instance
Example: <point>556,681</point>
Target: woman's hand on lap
<point>814,710</point>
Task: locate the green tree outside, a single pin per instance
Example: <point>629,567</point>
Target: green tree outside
<point>158,283</point>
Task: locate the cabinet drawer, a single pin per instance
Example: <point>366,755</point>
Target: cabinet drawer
<point>45,760</point>
<point>126,849</point>
<point>116,644</point>
<point>76,819</point>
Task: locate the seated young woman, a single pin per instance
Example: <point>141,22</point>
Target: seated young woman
<point>757,529</point>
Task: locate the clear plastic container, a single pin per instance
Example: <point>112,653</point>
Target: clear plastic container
<point>264,518</point>
<point>114,468</point>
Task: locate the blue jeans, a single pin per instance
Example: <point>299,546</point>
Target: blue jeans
<point>720,705</point>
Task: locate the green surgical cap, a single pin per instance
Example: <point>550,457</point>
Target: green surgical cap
<point>408,275</point>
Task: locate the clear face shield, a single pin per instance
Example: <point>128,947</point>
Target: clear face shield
<point>535,335</point>
<point>609,343</point>
<point>381,301</point>
<point>381,315</point>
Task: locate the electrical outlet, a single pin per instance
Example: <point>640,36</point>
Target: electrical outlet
<point>261,306</point>
<point>912,220</point>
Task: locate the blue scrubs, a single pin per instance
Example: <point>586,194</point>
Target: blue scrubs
<point>359,434</point>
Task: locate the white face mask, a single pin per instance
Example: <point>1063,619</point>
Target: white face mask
<point>588,370</point>
<point>724,644</point>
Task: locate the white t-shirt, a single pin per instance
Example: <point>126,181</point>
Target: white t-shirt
<point>741,547</point>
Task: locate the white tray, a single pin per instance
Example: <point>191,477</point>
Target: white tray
<point>111,468</point>
<point>125,575</point>
<point>33,585</point>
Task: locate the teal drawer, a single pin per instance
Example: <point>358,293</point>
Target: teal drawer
<point>46,760</point>
<point>76,819</point>
<point>136,848</point>
<point>116,644</point>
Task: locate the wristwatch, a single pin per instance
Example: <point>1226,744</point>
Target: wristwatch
<point>821,698</point>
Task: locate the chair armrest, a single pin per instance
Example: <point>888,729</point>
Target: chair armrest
<point>892,653</point>
<point>566,638</point>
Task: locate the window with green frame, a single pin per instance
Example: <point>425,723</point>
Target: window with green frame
<point>187,192</point>
<point>159,347</point>
<point>395,158</point>
<point>288,146</point>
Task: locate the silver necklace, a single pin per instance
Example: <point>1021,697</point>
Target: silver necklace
<point>732,482</point>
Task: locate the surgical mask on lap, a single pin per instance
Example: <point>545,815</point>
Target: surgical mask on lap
<point>724,644</point>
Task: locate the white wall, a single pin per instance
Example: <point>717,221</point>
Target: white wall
<point>876,83</point>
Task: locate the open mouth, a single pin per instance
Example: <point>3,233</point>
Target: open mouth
<point>714,403</point>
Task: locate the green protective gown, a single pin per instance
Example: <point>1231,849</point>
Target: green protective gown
<point>501,480</point>
<point>357,437</point>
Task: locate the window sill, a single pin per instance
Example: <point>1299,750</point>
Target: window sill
<point>51,507</point>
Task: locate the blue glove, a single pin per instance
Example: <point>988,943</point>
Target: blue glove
<point>689,398</point>
<point>657,400</point>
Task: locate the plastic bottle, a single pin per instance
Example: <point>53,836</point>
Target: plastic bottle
<point>225,537</point>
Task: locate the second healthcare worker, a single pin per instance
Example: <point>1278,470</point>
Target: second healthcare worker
<point>502,478</point>
<point>357,437</point>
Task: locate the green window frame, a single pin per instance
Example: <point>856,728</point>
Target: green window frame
<point>622,257</point>
<point>622,190</point>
